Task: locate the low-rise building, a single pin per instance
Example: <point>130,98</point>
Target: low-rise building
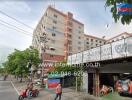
<point>92,41</point>
<point>119,37</point>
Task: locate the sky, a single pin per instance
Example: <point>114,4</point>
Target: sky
<point>90,12</point>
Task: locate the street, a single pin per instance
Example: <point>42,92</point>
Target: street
<point>7,92</point>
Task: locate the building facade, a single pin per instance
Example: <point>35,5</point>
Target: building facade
<point>119,37</point>
<point>92,41</point>
<point>58,35</point>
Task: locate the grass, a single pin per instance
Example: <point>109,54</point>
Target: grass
<point>114,96</point>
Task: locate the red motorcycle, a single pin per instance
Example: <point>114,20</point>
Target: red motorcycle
<point>28,94</point>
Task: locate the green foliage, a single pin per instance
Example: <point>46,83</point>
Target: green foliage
<point>18,60</point>
<point>125,19</point>
<point>1,70</point>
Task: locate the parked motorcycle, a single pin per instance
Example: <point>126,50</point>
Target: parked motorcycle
<point>28,94</point>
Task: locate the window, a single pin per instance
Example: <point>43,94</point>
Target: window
<point>87,38</point>
<point>96,40</point>
<point>55,15</point>
<point>112,40</point>
<point>70,53</point>
<point>54,21</point>
<point>69,29</point>
<point>87,42</point>
<point>122,37</point>
<point>79,37</point>
<point>69,42</point>
<point>44,33</point>
<point>69,36</point>
<point>70,48</point>
<point>53,34</point>
<point>91,39</point>
<point>100,41</point>
<point>43,26</point>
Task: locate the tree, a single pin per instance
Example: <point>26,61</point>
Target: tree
<point>18,60</point>
<point>1,70</point>
<point>125,19</point>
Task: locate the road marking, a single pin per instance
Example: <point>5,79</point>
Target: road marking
<point>15,88</point>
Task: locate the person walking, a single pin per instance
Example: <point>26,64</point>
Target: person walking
<point>130,87</point>
<point>58,92</point>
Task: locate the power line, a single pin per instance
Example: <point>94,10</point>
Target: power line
<point>16,20</point>
<point>14,29</point>
<point>14,26</point>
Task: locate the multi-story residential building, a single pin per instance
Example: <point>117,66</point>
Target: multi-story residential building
<point>62,35</point>
<point>119,37</point>
<point>92,41</point>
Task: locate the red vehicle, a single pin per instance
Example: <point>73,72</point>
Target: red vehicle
<point>28,94</point>
<point>105,90</point>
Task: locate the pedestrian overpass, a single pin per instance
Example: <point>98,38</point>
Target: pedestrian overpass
<point>114,58</point>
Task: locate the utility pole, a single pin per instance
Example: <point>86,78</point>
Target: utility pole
<point>43,47</point>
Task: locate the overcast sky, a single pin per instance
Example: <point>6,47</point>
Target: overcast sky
<point>90,12</point>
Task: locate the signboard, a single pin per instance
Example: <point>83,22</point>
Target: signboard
<point>118,49</point>
<point>79,58</point>
<point>106,52</point>
<point>52,83</point>
<point>124,9</point>
<point>128,42</point>
<point>85,56</point>
<point>94,54</point>
<point>69,60</point>
<point>74,59</point>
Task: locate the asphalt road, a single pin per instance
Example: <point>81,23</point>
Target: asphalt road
<point>7,92</point>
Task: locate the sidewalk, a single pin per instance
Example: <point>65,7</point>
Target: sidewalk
<point>49,94</point>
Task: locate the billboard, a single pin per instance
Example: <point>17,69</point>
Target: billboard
<point>106,52</point>
<point>118,49</point>
<point>79,58</point>
<point>74,59</point>
<point>69,60</point>
<point>94,54</point>
<point>128,42</point>
<point>85,56</point>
